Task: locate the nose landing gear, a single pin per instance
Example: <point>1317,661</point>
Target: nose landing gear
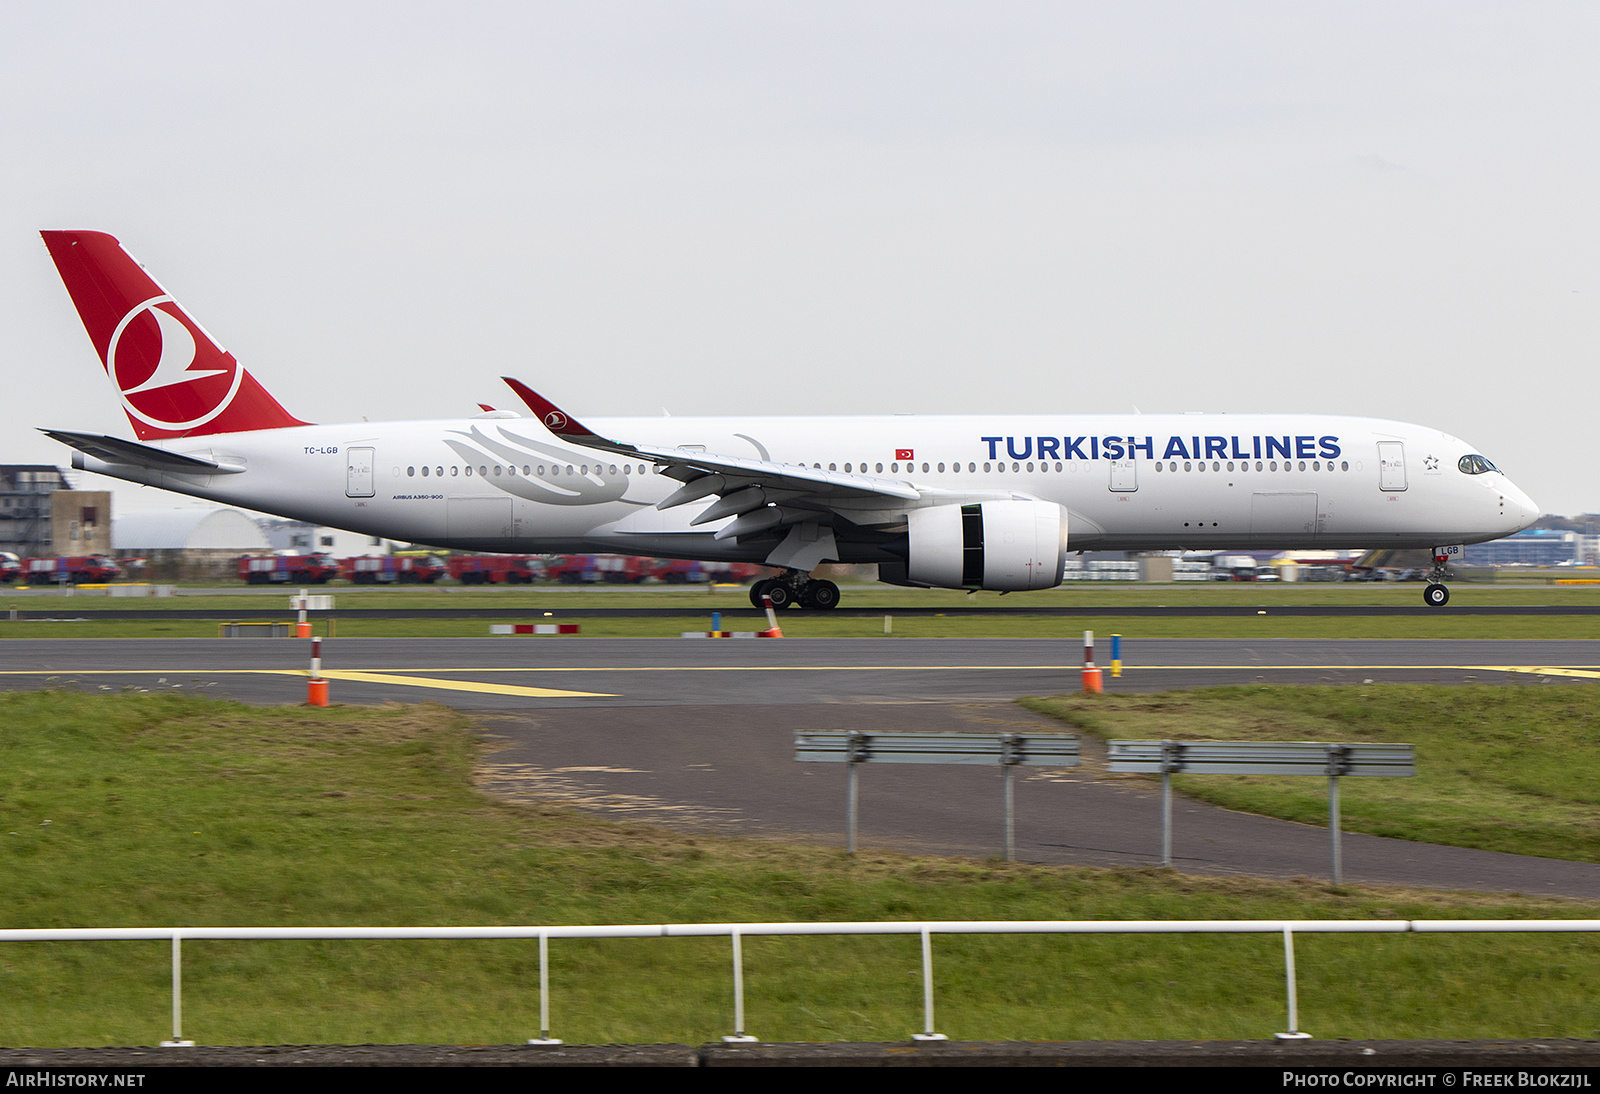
<point>1436,595</point>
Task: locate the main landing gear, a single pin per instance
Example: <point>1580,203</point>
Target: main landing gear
<point>794,587</point>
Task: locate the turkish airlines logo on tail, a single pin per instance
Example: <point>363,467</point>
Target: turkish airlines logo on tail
<point>555,421</point>
<point>169,371</point>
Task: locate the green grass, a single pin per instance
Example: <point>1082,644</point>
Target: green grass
<point>822,625</point>
<point>166,809</point>
<point>870,595</point>
<point>1499,768</point>
<point>100,615</point>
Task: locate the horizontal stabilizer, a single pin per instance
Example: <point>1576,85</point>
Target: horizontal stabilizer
<point>117,450</point>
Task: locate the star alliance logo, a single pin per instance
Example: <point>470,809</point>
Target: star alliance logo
<point>1431,463</point>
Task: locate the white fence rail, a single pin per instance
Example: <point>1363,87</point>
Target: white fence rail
<point>1288,928</point>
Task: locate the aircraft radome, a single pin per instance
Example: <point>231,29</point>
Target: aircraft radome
<point>957,502</point>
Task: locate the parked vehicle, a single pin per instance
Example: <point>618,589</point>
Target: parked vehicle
<point>677,571</point>
<point>393,570</point>
<point>73,570</point>
<point>495,569</point>
<point>312,569</point>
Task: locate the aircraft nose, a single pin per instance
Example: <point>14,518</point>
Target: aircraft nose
<point>1519,511</point>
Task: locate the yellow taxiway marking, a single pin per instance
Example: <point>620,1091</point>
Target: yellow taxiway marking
<point>1587,674</point>
<point>990,668</point>
<point>386,675</point>
<point>393,676</point>
<point>461,685</point>
<point>332,674</point>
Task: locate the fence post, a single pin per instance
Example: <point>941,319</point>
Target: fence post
<point>1338,764</point>
<point>853,758</point>
<point>927,990</point>
<point>927,1033</point>
<point>739,1035</point>
<point>1294,1033</point>
<point>544,1037</point>
<point>177,996</point>
<point>1008,760</point>
<point>1170,752</point>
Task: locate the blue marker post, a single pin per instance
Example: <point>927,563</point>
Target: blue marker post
<point>716,626</point>
<point>1116,655</point>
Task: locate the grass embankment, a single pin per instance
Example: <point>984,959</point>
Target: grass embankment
<point>868,595</point>
<point>816,625</point>
<point>97,616</point>
<point>1499,768</point>
<point>160,809</point>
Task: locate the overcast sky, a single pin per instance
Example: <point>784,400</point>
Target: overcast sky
<point>1384,209</point>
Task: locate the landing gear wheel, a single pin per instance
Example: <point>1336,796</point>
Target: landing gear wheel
<point>1436,595</point>
<point>758,590</point>
<point>780,594</point>
<point>821,595</point>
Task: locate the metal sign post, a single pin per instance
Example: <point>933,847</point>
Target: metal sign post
<point>1336,761</point>
<point>1007,749</point>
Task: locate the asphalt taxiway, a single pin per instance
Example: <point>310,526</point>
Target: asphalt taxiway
<point>699,733</point>
<point>514,671</point>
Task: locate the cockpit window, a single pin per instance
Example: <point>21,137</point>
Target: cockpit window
<point>1475,465</point>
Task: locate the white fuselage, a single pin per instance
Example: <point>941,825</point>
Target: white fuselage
<point>1128,482</point>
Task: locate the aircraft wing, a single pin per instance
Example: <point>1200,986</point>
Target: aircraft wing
<point>761,495</point>
<point>117,450</point>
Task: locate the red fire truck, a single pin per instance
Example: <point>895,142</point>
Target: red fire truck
<point>393,570</point>
<point>74,570</point>
<point>314,569</point>
<point>597,569</point>
<point>495,569</point>
<point>677,571</point>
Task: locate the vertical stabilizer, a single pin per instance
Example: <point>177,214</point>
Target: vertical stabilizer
<point>172,376</point>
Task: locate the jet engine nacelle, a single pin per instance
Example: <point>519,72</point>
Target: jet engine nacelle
<point>1007,546</point>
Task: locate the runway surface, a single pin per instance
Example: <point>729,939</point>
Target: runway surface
<point>555,609</point>
<point>699,733</point>
<point>492,673</point>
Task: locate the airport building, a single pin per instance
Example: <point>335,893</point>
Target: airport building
<point>42,516</point>
<point>301,538</point>
<point>188,544</point>
<point>1534,547</point>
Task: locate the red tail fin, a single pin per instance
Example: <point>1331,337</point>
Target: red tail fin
<point>174,380</point>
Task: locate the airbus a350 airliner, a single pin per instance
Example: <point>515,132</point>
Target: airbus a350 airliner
<point>956,502</point>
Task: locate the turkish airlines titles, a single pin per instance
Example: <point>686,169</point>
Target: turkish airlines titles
<point>1285,447</point>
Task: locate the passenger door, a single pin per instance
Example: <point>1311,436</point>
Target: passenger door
<point>358,472</point>
<point>1391,465</point>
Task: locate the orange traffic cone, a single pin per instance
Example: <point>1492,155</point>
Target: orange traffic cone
<point>773,630</point>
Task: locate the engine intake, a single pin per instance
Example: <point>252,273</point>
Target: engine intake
<point>1006,546</point>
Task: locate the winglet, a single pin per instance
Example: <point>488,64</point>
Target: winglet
<point>553,417</point>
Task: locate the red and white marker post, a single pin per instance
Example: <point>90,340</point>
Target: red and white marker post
<point>302,627</point>
<point>316,686</point>
<point>1092,683</point>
